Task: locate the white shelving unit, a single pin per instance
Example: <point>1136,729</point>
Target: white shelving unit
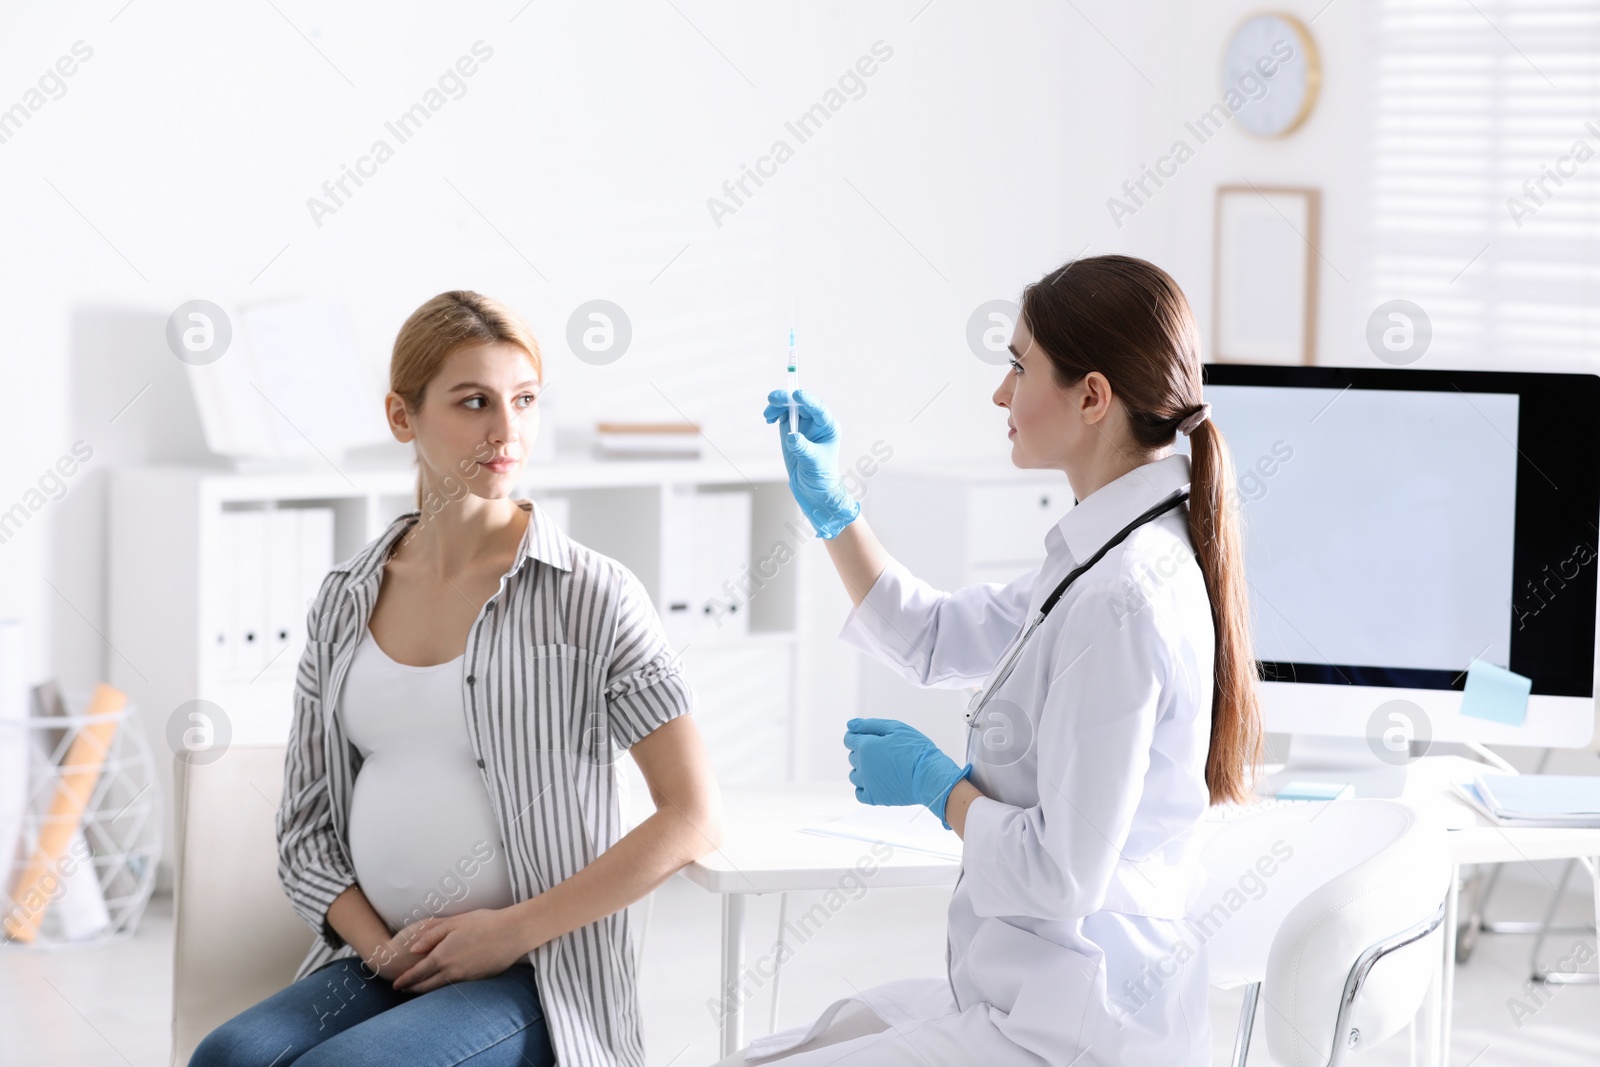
<point>165,524</point>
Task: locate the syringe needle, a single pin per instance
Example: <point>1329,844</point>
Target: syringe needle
<point>794,387</point>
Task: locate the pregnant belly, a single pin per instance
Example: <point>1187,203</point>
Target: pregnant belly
<point>424,840</point>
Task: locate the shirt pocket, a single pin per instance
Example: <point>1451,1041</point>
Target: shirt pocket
<point>566,687</point>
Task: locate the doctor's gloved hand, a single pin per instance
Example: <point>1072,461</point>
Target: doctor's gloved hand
<point>895,764</point>
<point>812,457</point>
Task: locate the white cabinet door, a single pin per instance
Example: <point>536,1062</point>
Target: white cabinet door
<point>742,706</point>
<point>1004,572</point>
<point>1008,521</point>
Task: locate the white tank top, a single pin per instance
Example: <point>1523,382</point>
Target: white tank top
<point>423,836</point>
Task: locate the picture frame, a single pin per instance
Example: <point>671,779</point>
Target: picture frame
<point>1264,274</point>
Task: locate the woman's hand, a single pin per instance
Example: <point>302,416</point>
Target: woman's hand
<point>812,457</point>
<point>896,764</point>
<point>383,953</point>
<point>392,958</point>
<point>461,948</point>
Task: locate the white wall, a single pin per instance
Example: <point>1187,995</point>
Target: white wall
<point>1329,152</point>
<point>179,160</point>
<point>578,163</point>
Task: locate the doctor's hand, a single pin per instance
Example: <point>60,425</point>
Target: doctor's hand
<point>895,764</point>
<point>460,948</point>
<point>812,457</point>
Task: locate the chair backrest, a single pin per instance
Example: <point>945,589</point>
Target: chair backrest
<point>1398,888</point>
<point>236,938</point>
<point>1259,867</point>
<point>1292,896</point>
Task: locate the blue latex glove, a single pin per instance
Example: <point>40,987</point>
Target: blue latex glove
<point>812,457</point>
<point>895,764</point>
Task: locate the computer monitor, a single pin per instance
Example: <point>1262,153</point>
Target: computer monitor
<point>1400,523</point>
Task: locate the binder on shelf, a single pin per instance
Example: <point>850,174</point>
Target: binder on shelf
<point>281,568</point>
<point>250,592</point>
<point>216,600</point>
<point>722,561</point>
<point>705,566</point>
<point>267,567</point>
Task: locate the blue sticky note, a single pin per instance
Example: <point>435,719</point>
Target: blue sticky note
<point>1496,694</point>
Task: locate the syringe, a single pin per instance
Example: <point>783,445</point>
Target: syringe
<point>794,386</point>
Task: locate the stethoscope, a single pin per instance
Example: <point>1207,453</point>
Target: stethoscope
<point>980,699</point>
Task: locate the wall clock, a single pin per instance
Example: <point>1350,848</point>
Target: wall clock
<point>1270,64</point>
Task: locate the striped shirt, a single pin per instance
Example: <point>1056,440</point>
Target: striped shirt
<point>566,666</point>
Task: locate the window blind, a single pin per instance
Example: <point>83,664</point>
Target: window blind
<point>1486,177</point>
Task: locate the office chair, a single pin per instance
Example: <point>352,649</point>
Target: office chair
<point>1344,935</point>
<point>236,940</point>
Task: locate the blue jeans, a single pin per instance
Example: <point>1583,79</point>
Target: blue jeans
<point>342,1014</point>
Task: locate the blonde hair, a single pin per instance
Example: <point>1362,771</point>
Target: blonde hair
<point>442,325</point>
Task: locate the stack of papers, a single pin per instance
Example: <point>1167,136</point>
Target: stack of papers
<point>1535,799</point>
<point>913,829</point>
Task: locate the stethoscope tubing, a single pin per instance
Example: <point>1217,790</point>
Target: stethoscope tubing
<point>980,699</point>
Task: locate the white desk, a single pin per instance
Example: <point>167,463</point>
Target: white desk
<point>1474,840</point>
<point>765,852</point>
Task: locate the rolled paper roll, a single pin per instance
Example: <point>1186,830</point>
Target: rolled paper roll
<point>77,777</point>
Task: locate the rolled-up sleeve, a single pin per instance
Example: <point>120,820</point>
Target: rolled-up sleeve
<point>313,865</point>
<point>645,687</point>
<point>933,638</point>
<point>1055,859</point>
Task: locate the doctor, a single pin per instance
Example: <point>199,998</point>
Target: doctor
<point>1097,742</point>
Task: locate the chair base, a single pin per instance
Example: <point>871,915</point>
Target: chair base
<point>1562,978</point>
<point>1475,923</point>
<point>1528,926</point>
<point>1247,1023</point>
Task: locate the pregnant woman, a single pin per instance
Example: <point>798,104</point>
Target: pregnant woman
<point>450,825</point>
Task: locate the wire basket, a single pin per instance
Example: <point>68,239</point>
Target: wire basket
<point>95,890</point>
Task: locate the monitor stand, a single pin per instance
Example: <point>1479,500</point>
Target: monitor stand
<point>1314,758</point>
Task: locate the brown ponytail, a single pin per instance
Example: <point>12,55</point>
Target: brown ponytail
<point>1236,736</point>
<point>1128,319</point>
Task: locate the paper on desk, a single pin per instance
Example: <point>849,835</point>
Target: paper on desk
<point>1473,794</point>
<point>914,829</point>
<point>1542,796</point>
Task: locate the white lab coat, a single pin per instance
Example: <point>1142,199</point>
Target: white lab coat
<point>1064,944</point>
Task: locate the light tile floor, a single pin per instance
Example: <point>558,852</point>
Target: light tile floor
<point>110,1006</point>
